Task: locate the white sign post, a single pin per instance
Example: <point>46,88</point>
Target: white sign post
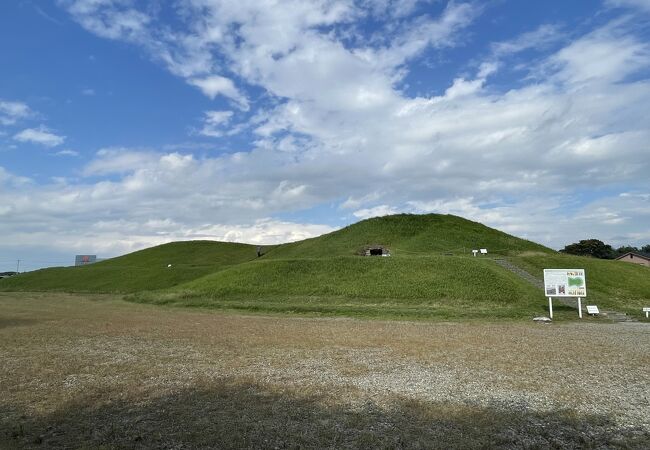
<point>565,283</point>
<point>646,311</point>
<point>579,307</point>
<point>593,310</point>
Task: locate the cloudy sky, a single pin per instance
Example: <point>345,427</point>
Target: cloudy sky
<point>126,124</point>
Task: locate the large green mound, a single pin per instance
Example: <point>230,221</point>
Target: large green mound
<point>139,271</point>
<point>431,274</point>
<point>409,234</point>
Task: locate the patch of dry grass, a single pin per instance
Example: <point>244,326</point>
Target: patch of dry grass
<point>81,371</point>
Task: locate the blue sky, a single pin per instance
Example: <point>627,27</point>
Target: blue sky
<point>127,124</point>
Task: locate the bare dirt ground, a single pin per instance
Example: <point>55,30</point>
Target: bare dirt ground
<point>96,372</point>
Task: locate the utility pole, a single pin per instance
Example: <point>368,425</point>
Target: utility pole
<point>17,266</point>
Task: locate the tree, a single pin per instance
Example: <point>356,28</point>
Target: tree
<point>646,249</point>
<point>590,247</point>
<point>627,249</point>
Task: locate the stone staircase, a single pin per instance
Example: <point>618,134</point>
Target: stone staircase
<point>520,272</point>
<point>614,316</point>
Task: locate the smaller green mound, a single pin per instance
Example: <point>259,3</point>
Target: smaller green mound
<point>143,270</point>
<point>409,234</point>
<point>615,285</point>
<point>409,287</point>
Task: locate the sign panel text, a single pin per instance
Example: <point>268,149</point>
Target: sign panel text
<point>565,283</point>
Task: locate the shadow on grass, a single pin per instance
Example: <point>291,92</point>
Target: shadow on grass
<point>236,415</point>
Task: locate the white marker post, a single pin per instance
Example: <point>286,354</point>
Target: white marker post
<point>646,311</point>
<point>550,307</point>
<point>579,307</point>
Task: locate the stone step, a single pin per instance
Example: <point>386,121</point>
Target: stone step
<point>617,316</point>
<point>520,272</point>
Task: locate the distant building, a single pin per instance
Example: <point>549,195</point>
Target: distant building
<point>82,260</point>
<point>635,258</point>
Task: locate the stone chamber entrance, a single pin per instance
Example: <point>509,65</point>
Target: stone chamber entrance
<point>374,250</point>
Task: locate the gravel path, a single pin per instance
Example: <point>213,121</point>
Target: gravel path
<point>63,350</point>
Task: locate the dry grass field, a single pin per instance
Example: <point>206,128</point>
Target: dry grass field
<point>96,372</point>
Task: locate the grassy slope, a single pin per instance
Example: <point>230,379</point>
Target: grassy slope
<point>408,234</point>
<point>611,284</point>
<point>138,271</point>
<point>409,287</point>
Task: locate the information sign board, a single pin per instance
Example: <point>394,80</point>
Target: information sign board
<point>565,283</point>
<point>81,260</point>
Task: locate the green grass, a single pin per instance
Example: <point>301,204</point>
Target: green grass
<point>143,270</point>
<point>433,278</point>
<point>391,309</point>
<point>400,287</point>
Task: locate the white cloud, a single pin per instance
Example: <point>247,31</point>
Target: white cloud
<point>265,231</point>
<point>462,87</point>
<point>41,135</point>
<point>113,238</point>
<point>543,36</point>
<point>89,92</point>
<point>67,152</point>
<point>643,5</point>
<point>9,179</point>
<point>171,204</point>
<point>441,32</point>
<point>214,121</point>
<point>116,160</point>
<point>605,55</point>
<point>11,112</point>
<point>353,203</point>
<point>108,18</point>
<point>274,46</point>
<point>377,211</point>
<point>217,117</point>
<point>215,85</point>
